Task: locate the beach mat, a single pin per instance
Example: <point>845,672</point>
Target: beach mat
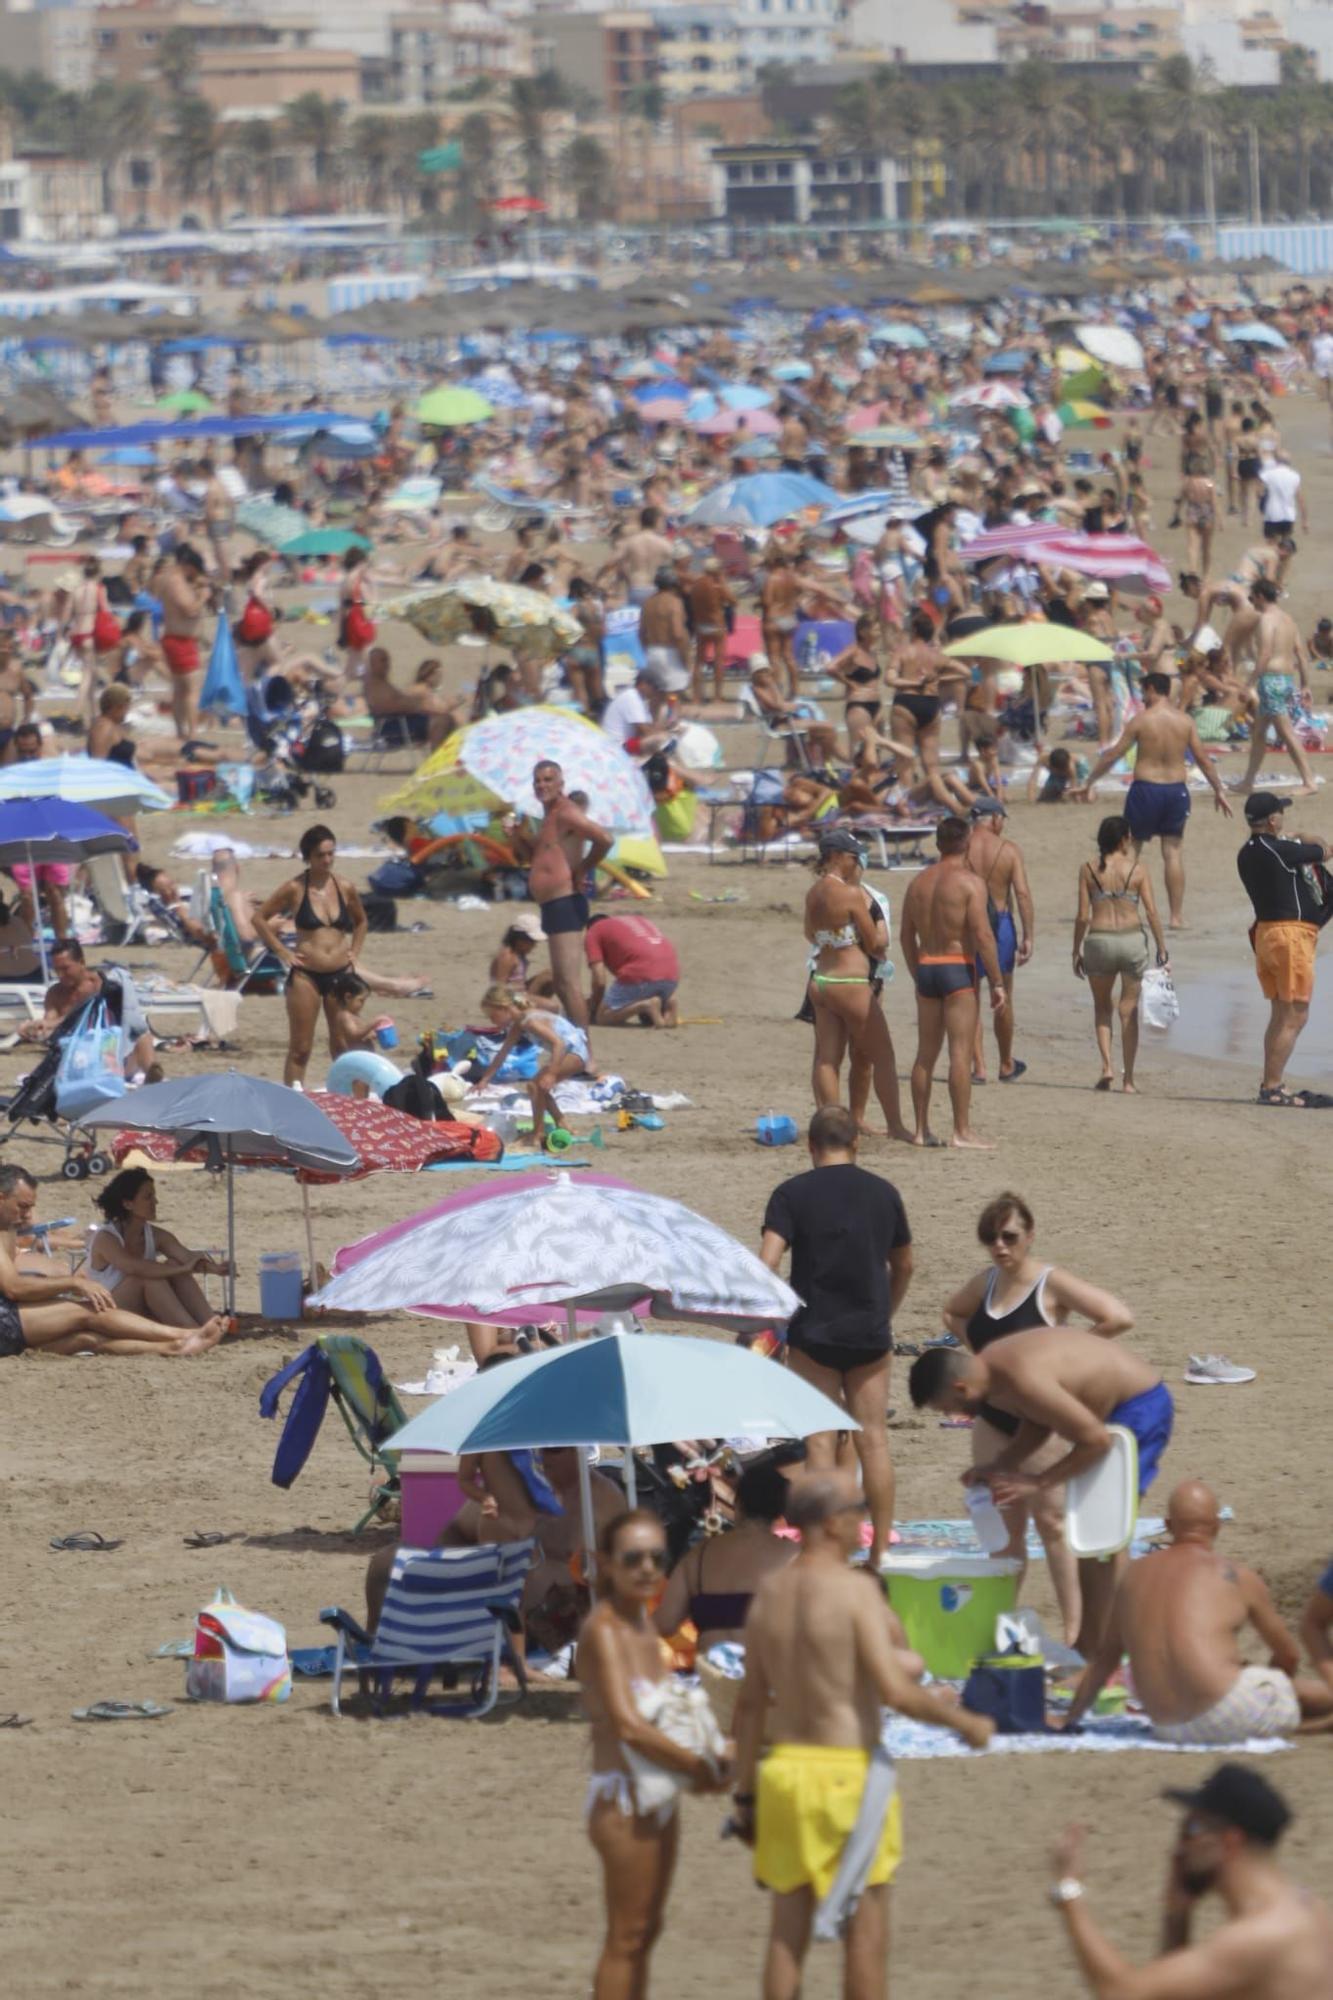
<point>512,1163</point>
<point>908,1740</point>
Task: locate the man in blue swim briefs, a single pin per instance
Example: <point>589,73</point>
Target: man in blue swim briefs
<point>994,855</point>
<point>1157,804</point>
<point>1058,1381</point>
<point>945,935</point>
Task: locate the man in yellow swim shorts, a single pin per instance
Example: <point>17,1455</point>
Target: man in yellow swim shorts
<point>825,1655</point>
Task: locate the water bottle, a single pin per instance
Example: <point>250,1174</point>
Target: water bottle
<point>987,1520</point>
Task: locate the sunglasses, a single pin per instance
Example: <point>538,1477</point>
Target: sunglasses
<point>1006,1236</point>
<point>636,1558</point>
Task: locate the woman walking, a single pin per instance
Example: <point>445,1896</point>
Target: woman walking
<point>1115,895</point>
<point>356,628</point>
<point>848,943</point>
<point>1017,1292</point>
<point>650,1742</point>
<point>330,929</point>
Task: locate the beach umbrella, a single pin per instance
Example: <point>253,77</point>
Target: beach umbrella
<point>898,333</point>
<point>487,767</point>
<point>1030,645</point>
<point>223,689</point>
<point>886,437</point>
<point>1111,558</point>
<point>662,410</point>
<point>129,454</point>
<point>186,403</point>
<point>502,391</point>
<point>1254,333</point>
<point>1113,345</point>
<point>549,1241</point>
<point>86,781</point>
<point>1022,541</point>
<point>760,499</point>
<point>235,1120</point>
<point>792,371</point>
<point>989,396</point>
<point>739,423</point>
<point>452,409</point>
<point>743,396</point>
<point>1009,361</point>
<point>323,542</point>
<point>51,829</point>
<point>750,446</point>
<point>270,521</point>
<point>525,621</point>
<point>1080,415</point>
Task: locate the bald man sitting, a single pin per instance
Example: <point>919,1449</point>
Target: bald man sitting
<point>1179,1614</point>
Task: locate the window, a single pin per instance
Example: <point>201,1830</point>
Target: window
<point>783,170</point>
<point>623,41</point>
<point>149,38</point>
<point>735,175</point>
<point>106,38</point>
<point>141,174</point>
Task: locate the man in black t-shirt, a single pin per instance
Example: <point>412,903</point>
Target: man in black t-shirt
<point>1288,885</point>
<point>851,1263</point>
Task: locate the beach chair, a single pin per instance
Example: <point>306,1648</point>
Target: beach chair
<point>242,965</point>
<point>444,1608</point>
<point>795,744</point>
<point>370,1409</point>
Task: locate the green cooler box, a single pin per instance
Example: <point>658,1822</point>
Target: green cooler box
<point>949,1603</point>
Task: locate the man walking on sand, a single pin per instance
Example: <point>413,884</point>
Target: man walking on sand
<point>1287,882</point>
<point>185,595</point>
<point>1157,804</point>
<point>565,848</point>
<point>824,1656</point>
<point>997,858</point>
<point>945,934</point>
<point>1179,1615</point>
<point>1280,665</point>
<point>1276,1940</point>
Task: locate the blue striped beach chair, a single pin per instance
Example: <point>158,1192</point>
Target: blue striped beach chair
<point>444,1608</point>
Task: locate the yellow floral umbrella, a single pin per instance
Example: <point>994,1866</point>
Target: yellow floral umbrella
<point>523,621</point>
<point>487,767</point>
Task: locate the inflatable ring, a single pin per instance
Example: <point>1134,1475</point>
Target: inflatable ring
<point>362,1066</point>
<point>492,853</point>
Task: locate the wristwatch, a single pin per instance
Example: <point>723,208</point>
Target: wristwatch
<point>1067,1890</point>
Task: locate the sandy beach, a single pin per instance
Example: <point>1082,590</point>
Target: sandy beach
<point>355,1857</point>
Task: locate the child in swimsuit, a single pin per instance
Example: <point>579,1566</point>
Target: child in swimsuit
<point>565,1046</point>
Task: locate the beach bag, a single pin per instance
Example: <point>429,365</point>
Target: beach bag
<point>395,877</point>
<point>1159,1005</point>
<point>106,627</point>
<point>239,1655</point>
<point>323,749</point>
<point>256,623</point>
<point>1011,1689</point>
<point>90,1071</point>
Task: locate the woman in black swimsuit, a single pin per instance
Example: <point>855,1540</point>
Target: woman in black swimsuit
<point>330,929</point>
<point>915,715</point>
<point>1016,1293</point>
<point>859,671</point>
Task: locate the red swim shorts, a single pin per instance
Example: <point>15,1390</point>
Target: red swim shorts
<point>181,655</point>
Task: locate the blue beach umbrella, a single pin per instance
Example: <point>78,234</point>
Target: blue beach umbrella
<point>48,829</point>
<point>760,499</point>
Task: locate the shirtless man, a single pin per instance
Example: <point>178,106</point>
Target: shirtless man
<point>1276,1942</point>
<point>779,614</point>
<point>185,596</point>
<point>566,847</point>
<point>64,1315</point>
<point>1280,660</point>
<point>664,634</point>
<point>710,600</point>
<point>824,1655</point>
<point>793,438</point>
<point>641,555</point>
<point>1155,636</point>
<point>1231,592</point>
<point>944,935</point>
<point>1157,804</point>
<point>1058,1381</point>
<point>421,715</point>
<point>998,860</point>
<point>1179,1615</point>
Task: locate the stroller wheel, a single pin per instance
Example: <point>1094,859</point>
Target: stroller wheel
<point>75,1168</point>
<point>98,1163</point>
<point>325,798</point>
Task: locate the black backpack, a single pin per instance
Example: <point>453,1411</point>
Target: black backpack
<point>322,750</point>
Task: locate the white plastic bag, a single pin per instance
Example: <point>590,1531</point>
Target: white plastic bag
<point>239,1655</point>
<point>1159,1005</point>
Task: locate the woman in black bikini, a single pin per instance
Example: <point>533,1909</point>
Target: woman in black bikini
<point>1016,1293</point>
<point>330,931</point>
<point>713,1582</point>
<point>915,715</point>
<point>859,671</point>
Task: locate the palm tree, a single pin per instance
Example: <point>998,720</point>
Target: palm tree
<point>191,146</point>
<point>373,145</point>
<point>532,100</point>
<point>587,166</point>
<point>317,124</point>
<point>113,118</point>
<point>177,61</point>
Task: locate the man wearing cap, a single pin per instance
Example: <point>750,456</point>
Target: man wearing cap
<point>1276,1942</point>
<point>664,634</point>
<point>1157,804</point>
<point>1179,1614</point>
<point>1292,895</point>
<point>998,860</point>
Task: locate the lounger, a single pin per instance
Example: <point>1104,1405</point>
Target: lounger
<point>443,1608</point>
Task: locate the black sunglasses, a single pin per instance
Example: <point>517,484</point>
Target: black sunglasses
<point>1007,1236</point>
<point>636,1558</point>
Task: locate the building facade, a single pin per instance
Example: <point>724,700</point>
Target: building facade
<point>776,182</point>
<point>698,52</point>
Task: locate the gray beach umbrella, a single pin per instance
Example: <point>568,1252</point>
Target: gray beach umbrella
<point>235,1120</point>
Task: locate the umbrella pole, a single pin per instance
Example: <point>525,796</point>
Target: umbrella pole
<point>231,1230</point>
<point>585,1478</point>
<point>38,923</point>
<point>309,1233</point>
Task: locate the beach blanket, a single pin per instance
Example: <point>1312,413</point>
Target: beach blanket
<point>907,1739</point>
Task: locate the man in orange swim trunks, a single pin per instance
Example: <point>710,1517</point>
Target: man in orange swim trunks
<point>1292,894</point>
<point>185,596</point>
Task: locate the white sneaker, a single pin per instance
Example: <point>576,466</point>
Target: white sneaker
<point>1215,1368</point>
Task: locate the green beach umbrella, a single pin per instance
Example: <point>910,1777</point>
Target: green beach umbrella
<point>450,409</point>
<point>186,402</point>
<point>324,542</point>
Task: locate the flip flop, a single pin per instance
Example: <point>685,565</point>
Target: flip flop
<point>931,1142</point>
<point>15,1721</point>
<point>1019,1069</point>
<point>977,1081</point>
<point>85,1541</point>
<point>207,1538</point>
<point>1296,1100</point>
<point>122,1711</point>
<point>1102,1083</point>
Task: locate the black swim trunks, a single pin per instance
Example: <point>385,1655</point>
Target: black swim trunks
<point>838,1358</point>
<point>11,1329</point>
<point>937,978</point>
<point>565,913</point>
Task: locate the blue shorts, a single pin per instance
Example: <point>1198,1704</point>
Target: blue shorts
<point>1326,1582</point>
<point>1150,1417</point>
<point>1156,809</point>
<point>633,995</point>
<point>1006,941</point>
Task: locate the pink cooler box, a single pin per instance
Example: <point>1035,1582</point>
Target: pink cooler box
<point>431,1496</point>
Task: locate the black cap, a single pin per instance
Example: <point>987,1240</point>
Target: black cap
<point>1262,805</point>
<point>1240,1798</point>
<point>841,840</point>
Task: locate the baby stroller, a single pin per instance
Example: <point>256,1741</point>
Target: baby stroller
<point>275,721</point>
<point>34,1103</point>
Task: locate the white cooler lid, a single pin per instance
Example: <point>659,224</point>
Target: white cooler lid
<point>943,1565</point>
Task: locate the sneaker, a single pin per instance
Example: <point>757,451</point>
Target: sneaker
<point>1213,1368</point>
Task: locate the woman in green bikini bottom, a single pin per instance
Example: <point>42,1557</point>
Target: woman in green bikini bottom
<point>1115,897</point>
<point>848,939</point>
